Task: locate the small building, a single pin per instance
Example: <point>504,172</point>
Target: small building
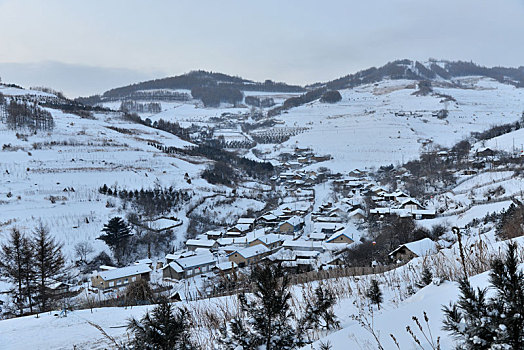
<point>485,152</point>
<point>214,234</point>
<point>341,237</point>
<point>225,268</point>
<point>294,224</point>
<point>420,248</point>
<point>271,240</point>
<point>193,244</point>
<point>249,255</point>
<point>247,221</point>
<point>317,236</point>
<point>357,214</point>
<point>119,277</point>
<point>188,267</point>
<point>303,245</point>
<point>328,227</point>
<point>410,204</point>
<point>238,230</point>
<point>268,220</point>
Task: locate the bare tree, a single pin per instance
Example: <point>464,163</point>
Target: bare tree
<point>82,250</point>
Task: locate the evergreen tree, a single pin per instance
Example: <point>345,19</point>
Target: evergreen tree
<point>12,266</point>
<point>116,235</point>
<point>509,300</point>
<point>163,329</point>
<point>268,314</point>
<point>495,323</point>
<point>28,262</point>
<point>319,312</point>
<point>374,293</point>
<point>49,264</point>
<point>426,278</point>
<point>237,335</point>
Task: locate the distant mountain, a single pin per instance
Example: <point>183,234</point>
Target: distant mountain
<point>223,87</point>
<point>192,80</point>
<point>431,70</point>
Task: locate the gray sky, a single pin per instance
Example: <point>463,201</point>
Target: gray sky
<point>85,47</point>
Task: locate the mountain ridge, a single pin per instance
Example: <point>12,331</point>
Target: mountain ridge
<point>432,70</point>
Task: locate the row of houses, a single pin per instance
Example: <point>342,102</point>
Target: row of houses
<point>294,254</point>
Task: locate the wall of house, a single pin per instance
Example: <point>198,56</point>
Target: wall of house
<point>404,255</point>
<point>168,272</point>
<point>286,228</point>
<point>238,259</point>
<point>98,282</point>
<point>341,239</point>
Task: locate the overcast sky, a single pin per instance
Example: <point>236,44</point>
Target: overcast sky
<point>86,47</point>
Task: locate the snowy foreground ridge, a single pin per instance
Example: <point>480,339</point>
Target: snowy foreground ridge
<point>49,331</point>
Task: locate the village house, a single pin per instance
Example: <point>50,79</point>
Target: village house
<point>249,255</point>
<point>420,248</point>
<point>189,266</point>
<point>118,277</point>
<point>271,240</point>
<point>357,173</point>
<point>294,224</point>
<point>213,235</point>
<point>317,236</point>
<point>341,237</point>
<point>268,220</point>
<point>303,245</point>
<point>485,152</point>
<point>146,261</point>
<point>247,221</point>
<point>327,228</point>
<point>192,244</point>
<point>225,268</point>
<point>410,204</point>
<point>240,228</point>
<point>357,215</point>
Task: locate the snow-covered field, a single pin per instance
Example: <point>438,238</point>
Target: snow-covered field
<point>376,124</point>
<point>53,177</point>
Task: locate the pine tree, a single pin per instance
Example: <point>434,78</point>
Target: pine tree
<point>374,293</point>
<point>238,335</point>
<point>116,235</point>
<point>496,323</point>
<point>28,262</point>
<point>509,300</point>
<point>268,314</point>
<point>163,329</point>
<point>426,278</point>
<point>12,266</point>
<point>49,264</point>
<point>319,312</point>
<point>469,319</point>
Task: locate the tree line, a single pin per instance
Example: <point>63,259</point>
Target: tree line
<point>137,107</point>
<point>150,202</point>
<point>212,96</point>
<point>21,115</point>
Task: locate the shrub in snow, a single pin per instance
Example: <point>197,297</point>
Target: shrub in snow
<point>374,293</point>
<point>426,278</point>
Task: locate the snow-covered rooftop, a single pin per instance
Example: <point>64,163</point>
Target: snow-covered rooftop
<point>124,272</point>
